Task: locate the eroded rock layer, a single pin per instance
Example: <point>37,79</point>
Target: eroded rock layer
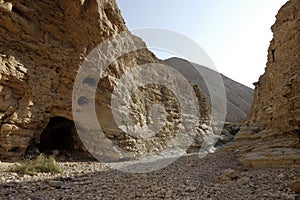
<point>271,133</point>
<point>42,46</point>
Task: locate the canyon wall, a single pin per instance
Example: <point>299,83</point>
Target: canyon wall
<point>270,136</point>
<point>42,46</point>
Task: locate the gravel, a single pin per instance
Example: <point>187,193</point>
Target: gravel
<point>187,178</point>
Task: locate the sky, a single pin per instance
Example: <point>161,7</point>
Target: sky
<point>234,33</point>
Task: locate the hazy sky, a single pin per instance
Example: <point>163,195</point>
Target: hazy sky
<point>234,33</point>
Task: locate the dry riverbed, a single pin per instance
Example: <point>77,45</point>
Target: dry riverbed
<point>217,176</point>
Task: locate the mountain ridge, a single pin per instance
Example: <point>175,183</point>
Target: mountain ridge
<point>239,97</point>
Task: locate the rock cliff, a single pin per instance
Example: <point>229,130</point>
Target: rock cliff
<point>43,45</point>
<point>270,136</point>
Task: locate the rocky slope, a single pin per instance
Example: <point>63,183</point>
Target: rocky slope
<point>43,45</point>
<point>239,97</point>
<point>270,135</point>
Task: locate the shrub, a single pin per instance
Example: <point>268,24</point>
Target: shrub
<point>40,164</point>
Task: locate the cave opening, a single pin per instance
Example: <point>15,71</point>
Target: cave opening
<point>61,138</point>
<point>58,135</point>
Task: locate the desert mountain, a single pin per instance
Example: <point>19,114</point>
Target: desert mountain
<point>239,97</point>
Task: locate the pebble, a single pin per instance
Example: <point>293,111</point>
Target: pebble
<point>190,189</point>
<point>154,189</point>
<point>281,176</point>
<point>53,183</point>
<point>295,186</point>
<point>243,181</point>
<point>228,174</point>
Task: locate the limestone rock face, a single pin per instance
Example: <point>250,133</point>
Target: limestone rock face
<point>43,44</point>
<point>270,135</point>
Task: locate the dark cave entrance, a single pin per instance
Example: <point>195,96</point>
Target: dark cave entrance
<point>60,136</point>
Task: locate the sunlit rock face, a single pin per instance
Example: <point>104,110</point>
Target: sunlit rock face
<point>270,134</point>
<point>43,45</point>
